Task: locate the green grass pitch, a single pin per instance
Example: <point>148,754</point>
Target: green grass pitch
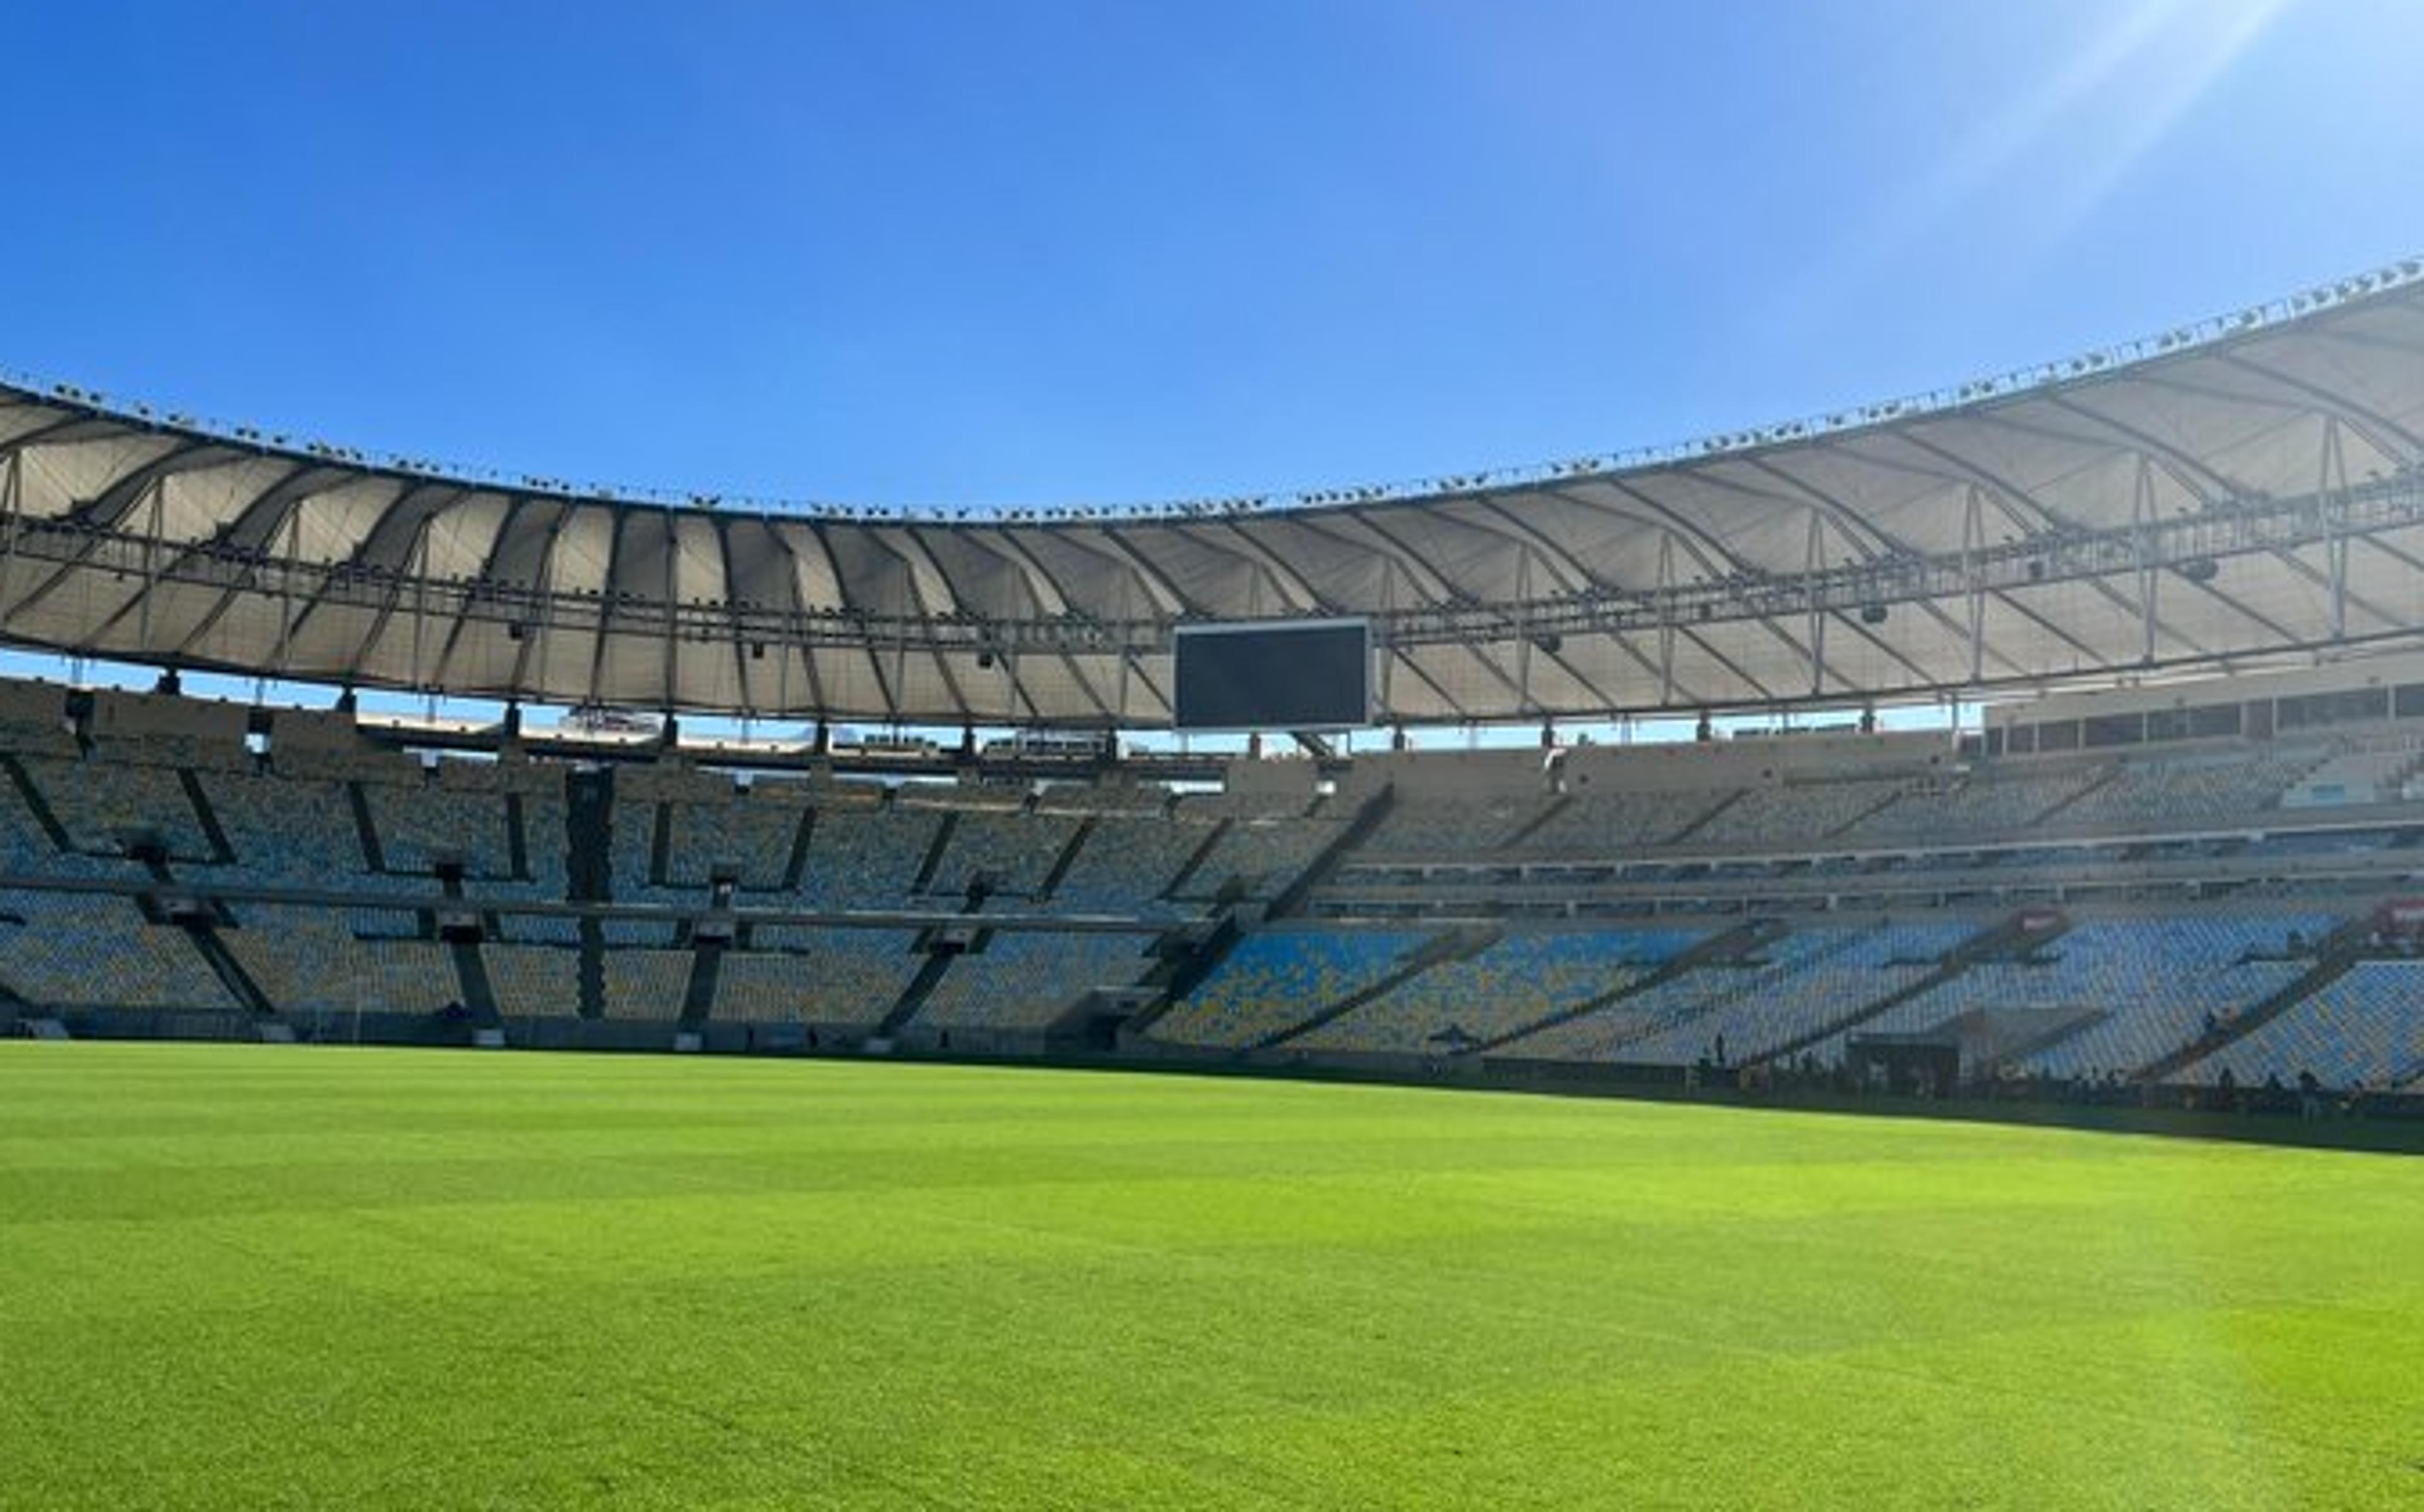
<point>261,1277</point>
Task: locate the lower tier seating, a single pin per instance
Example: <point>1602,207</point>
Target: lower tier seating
<point>1025,980</point>
<point>1514,981</point>
<point>2366,1029</point>
<point>818,977</point>
<point>93,951</point>
<point>1278,977</point>
<point>2149,983</point>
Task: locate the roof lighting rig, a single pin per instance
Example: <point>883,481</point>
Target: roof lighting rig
<point>2175,340</point>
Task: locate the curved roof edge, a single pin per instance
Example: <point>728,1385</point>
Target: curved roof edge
<point>2095,363</point>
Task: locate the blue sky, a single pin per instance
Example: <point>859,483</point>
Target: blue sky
<point>912,251</point>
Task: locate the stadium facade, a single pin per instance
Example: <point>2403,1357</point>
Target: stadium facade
<point>2188,858</point>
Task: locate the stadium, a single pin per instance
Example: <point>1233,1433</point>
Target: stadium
<point>2186,577</point>
<point>837,1241</point>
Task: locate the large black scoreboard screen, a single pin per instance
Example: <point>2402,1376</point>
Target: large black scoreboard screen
<point>1280,674</point>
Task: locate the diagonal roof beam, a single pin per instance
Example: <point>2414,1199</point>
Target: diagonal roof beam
<point>607,598</point>
<point>497,545</point>
<point>2192,474</point>
<point>791,568</point>
<point>2000,488</point>
<point>58,432</point>
<point>1855,527</point>
<point>2004,495</point>
<point>108,512</point>
<point>1714,556</point>
<point>720,526</point>
<point>1692,538</point>
<point>1159,586</point>
<point>1836,510</point>
<point>1411,565</point>
<point>1845,519</point>
<point>2182,465</point>
<point>115,503</point>
<point>1559,561</point>
<point>1289,580</point>
<point>397,523</point>
<point>817,530</point>
<point>544,589</point>
<point>1019,697</point>
<point>400,580</point>
<point>2405,559</point>
<point>2382,432</point>
<point>1865,534</point>
<point>280,500</point>
<point>910,579</point>
<point>1053,600</point>
<point>1802,651</point>
<point>1582,572</point>
<point>2008,497</point>
<point>1282,576</point>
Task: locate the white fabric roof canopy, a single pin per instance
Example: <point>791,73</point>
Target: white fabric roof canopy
<point>1727,576</point>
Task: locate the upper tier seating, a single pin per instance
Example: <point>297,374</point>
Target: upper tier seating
<point>747,838</point>
<point>867,859</point>
<point>632,845</point>
<point>539,929</point>
<point>1209,807</point>
<point>100,802</point>
<point>2377,769</point>
<point>1127,864</point>
<point>287,832</point>
<point>647,932</point>
<point>2185,790</point>
<point>1455,827</point>
<point>34,718</point>
<point>26,846</point>
<point>420,826</point>
<point>546,846</point>
<point>1601,823</point>
<point>1015,850</point>
<point>1793,814</point>
<point>1108,797</point>
<point>1987,803</point>
<point>1263,856</point>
